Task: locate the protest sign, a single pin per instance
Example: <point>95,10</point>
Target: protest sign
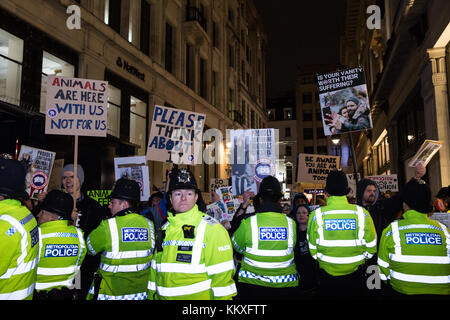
<point>101,196</point>
<point>253,154</point>
<point>442,217</point>
<point>385,183</point>
<point>229,203</point>
<point>344,101</point>
<point>176,136</point>
<point>76,106</point>
<point>217,183</point>
<point>38,165</point>
<point>352,184</point>
<point>134,168</point>
<point>425,153</point>
<point>314,168</point>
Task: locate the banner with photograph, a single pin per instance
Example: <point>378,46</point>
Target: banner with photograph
<point>176,136</point>
<point>76,107</point>
<point>38,165</point>
<point>388,182</point>
<point>314,168</point>
<point>134,168</point>
<point>425,153</point>
<point>254,153</point>
<point>344,101</point>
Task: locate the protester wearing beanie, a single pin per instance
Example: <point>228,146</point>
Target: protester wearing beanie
<point>341,237</point>
<point>413,253</point>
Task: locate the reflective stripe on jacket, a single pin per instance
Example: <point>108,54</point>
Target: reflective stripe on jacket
<point>19,239</point>
<point>196,261</point>
<point>266,241</point>
<point>127,243</point>
<point>62,251</point>
<point>414,255</point>
<point>341,236</point>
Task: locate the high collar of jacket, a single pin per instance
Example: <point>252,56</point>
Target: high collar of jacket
<point>270,207</point>
<point>333,200</point>
<point>413,214</point>
<point>182,216</point>
<point>54,223</point>
<point>124,212</point>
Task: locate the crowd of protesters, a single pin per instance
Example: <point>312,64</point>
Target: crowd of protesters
<point>270,252</point>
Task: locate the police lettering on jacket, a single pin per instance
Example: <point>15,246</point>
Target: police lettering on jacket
<point>423,238</point>
<point>340,224</point>
<point>60,250</point>
<point>134,234</point>
<point>272,234</point>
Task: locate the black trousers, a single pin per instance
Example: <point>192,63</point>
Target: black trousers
<point>253,292</point>
<point>55,294</point>
<point>351,286</point>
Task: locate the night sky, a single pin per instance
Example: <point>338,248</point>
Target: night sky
<point>300,32</point>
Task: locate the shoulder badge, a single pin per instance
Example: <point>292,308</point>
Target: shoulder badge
<point>210,220</point>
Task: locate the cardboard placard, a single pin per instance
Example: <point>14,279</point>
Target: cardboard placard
<point>134,168</point>
<point>314,168</point>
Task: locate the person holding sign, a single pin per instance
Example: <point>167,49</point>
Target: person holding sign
<point>126,241</point>
<point>341,237</point>
<point>194,258</point>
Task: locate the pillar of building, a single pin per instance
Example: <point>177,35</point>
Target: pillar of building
<point>441,127</point>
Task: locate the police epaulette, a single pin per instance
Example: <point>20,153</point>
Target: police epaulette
<point>248,215</point>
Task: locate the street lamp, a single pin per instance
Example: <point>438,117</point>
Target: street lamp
<point>335,141</point>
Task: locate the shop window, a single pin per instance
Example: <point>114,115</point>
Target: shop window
<point>138,124</point>
<point>114,102</point>
<point>11,55</point>
<point>52,65</point>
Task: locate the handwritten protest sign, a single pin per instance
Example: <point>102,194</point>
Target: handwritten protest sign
<point>176,136</point>
<point>134,168</point>
<point>314,168</point>
<point>101,196</point>
<point>352,184</point>
<point>38,164</point>
<point>385,183</point>
<point>76,106</point>
<point>344,101</point>
<point>425,153</point>
<point>217,183</point>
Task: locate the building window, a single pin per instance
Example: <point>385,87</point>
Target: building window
<point>11,57</point>
<point>252,119</point>
<point>271,113</point>
<point>322,149</point>
<point>287,132</point>
<point>230,56</point>
<point>231,103</point>
<point>320,133</point>
<point>145,27</point>
<point>215,35</point>
<point>287,114</point>
<point>288,151</point>
<point>113,114</point>
<point>309,150</point>
<point>307,98</point>
<point>52,65</point>
<point>215,89</point>
<point>138,124</point>
<point>189,63</point>
<point>169,48</point>
<point>288,174</point>
<point>383,156</point>
<point>202,79</point>
<point>113,9</point>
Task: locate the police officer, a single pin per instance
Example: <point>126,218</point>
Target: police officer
<point>194,258</point>
<point>19,235</point>
<point>341,237</point>
<point>266,240</point>
<point>414,251</point>
<point>62,248</point>
<point>127,242</point>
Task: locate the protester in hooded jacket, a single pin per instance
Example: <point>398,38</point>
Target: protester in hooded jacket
<point>382,210</point>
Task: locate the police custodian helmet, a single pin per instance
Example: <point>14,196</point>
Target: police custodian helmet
<point>59,203</point>
<point>12,179</point>
<point>126,189</point>
<point>182,179</point>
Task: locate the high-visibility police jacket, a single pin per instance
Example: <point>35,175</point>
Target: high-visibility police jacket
<point>266,240</point>
<point>414,255</point>
<point>194,261</point>
<point>127,244</point>
<point>341,236</point>
<point>19,247</point>
<point>61,252</point>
